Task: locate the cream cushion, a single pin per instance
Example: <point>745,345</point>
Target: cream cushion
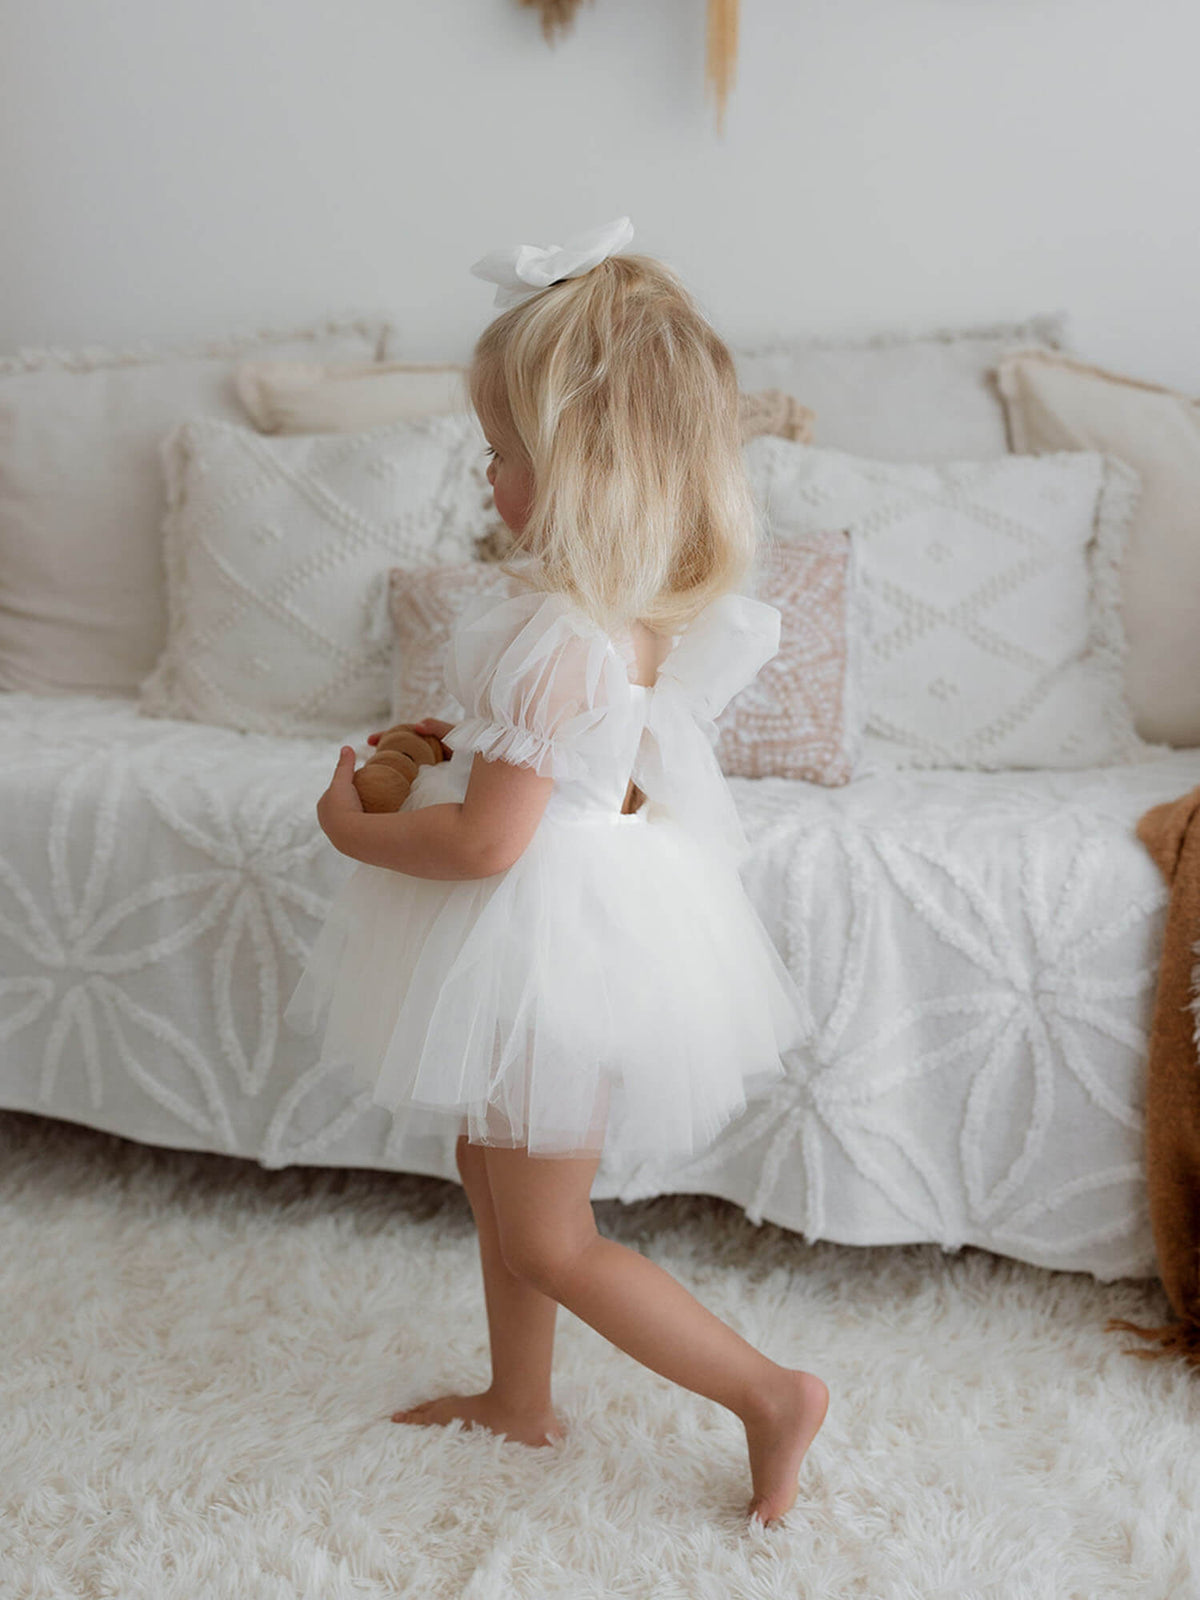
<point>345,397</point>
<point>331,397</point>
<point>992,600</point>
<point>1056,403</point>
<point>277,553</point>
<point>82,595</point>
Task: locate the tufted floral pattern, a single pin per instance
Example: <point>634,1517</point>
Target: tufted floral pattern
<point>276,554</point>
<point>978,952</point>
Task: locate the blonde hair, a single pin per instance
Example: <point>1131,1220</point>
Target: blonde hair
<point>622,400</point>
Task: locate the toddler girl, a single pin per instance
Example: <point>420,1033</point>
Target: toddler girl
<point>549,950</point>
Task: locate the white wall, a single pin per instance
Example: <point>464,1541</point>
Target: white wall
<point>178,168</point>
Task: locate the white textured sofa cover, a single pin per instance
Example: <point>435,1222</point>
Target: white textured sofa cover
<point>979,952</point>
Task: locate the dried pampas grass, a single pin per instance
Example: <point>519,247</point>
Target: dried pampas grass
<point>722,52</point>
<point>557,15</point>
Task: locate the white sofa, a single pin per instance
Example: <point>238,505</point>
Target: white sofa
<point>978,949</point>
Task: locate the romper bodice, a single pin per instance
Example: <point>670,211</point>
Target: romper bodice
<point>544,686</point>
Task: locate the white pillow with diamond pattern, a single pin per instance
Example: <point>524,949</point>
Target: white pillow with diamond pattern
<point>277,552</point>
<point>992,600</point>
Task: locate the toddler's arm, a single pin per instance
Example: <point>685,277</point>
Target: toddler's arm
<point>430,842</point>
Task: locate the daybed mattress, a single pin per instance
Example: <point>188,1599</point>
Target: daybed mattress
<point>978,950</point>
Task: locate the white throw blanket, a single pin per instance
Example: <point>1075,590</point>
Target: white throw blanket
<point>978,950</point>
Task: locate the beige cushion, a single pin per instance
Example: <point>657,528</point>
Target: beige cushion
<point>324,397</point>
<point>82,592</point>
<point>328,397</point>
<point>1055,403</point>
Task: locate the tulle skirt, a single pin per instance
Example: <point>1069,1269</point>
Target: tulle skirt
<point>613,990</point>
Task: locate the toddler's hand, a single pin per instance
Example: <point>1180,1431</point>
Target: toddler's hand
<point>341,799</point>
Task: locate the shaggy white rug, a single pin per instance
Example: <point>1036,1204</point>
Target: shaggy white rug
<point>200,1357</point>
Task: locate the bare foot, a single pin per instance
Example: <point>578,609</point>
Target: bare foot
<point>481,1410</point>
<point>778,1437</point>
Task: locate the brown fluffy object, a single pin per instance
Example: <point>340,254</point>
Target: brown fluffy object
<point>1171,833</point>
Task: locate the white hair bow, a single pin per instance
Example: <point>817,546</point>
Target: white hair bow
<point>526,269</point>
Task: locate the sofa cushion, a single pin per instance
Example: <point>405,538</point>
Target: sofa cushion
<point>345,397</point>
<point>895,396</point>
<point>802,716</point>
<point>978,952</point>
<point>1055,403</point>
<point>276,553</point>
<point>82,596</point>
<point>994,622</point>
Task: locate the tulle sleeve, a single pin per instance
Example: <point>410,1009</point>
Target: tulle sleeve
<point>535,679</point>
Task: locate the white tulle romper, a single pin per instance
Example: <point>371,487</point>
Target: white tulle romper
<point>614,988</point>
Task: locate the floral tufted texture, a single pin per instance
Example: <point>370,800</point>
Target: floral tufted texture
<point>978,951</point>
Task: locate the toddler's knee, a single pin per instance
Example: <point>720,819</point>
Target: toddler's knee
<point>541,1259</point>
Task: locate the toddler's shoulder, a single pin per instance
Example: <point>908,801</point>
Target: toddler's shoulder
<point>526,628</point>
<point>537,679</point>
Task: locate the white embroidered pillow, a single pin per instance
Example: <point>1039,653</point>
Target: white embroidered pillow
<point>277,552</point>
<point>993,600</point>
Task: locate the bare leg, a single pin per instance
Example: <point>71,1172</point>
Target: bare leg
<point>548,1235</point>
<point>521,1330</point>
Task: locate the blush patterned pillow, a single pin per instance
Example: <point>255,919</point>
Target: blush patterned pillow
<point>798,719</point>
<point>424,607</point>
<point>801,716</point>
